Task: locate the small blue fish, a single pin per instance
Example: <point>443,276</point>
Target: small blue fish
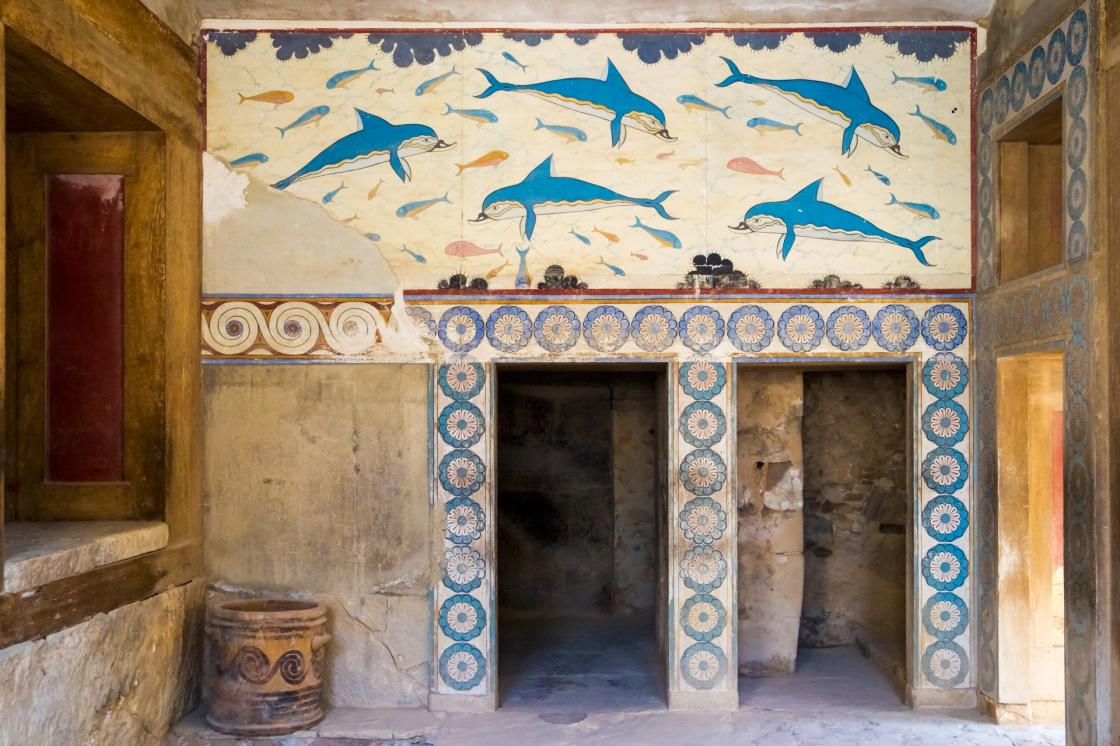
<point>585,239</point>
<point>762,124</point>
<point>571,134</point>
<point>930,84</point>
<point>373,236</point>
<point>879,176</point>
<point>414,255</point>
<point>412,209</point>
<point>940,131</point>
<point>919,209</point>
<point>691,102</point>
<point>430,85</point>
<point>513,59</point>
<point>475,115</point>
<point>617,270</point>
<point>253,159</point>
<point>665,238</point>
<point>348,76</point>
<point>521,282</point>
<point>333,193</point>
<point>309,116</point>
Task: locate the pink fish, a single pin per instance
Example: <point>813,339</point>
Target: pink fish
<point>636,255</point>
<point>747,166</point>
<point>379,91</point>
<point>466,248</point>
<point>663,156</point>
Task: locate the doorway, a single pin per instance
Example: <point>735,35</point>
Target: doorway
<point>578,523</point>
<point>1031,548</point>
<point>825,497</point>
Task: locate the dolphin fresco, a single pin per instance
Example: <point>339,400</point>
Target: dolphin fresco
<point>805,214</point>
<point>542,193</point>
<point>375,142</point>
<point>610,99</point>
<point>847,106</point>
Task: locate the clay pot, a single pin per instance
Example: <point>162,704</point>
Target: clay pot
<point>266,672</point>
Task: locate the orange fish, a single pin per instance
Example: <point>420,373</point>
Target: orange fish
<point>379,91</point>
<point>373,192</point>
<point>347,221</point>
<point>747,166</point>
<point>493,158</point>
<point>636,255</point>
<point>609,236</point>
<point>269,97</point>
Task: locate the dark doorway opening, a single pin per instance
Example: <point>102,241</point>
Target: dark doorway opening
<point>578,539</point>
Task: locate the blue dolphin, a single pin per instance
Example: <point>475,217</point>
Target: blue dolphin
<point>376,141</point>
<point>805,214</point>
<point>609,99</point>
<point>847,106</point>
<point>541,193</point>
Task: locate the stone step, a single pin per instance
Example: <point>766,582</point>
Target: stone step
<point>343,726</point>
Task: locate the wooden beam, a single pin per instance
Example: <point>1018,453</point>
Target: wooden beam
<point>122,48</point>
<point>31,615</point>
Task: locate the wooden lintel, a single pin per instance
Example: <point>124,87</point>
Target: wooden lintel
<point>34,614</point>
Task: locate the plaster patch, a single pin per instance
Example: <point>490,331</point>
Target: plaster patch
<point>223,191</point>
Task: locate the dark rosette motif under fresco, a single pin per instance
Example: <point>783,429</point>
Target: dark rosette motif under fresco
<point>835,41</point>
<point>231,42</point>
<point>926,45</point>
<point>758,40</point>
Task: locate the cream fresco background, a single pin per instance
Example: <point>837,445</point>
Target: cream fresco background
<point>362,247</point>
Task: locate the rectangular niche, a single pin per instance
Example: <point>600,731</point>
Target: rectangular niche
<point>1031,197</point>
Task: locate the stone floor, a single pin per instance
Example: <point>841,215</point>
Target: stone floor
<point>836,698</point>
<point>600,664</point>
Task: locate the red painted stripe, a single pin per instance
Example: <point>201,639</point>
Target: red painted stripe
<point>85,328</point>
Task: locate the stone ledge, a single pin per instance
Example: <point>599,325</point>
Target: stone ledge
<point>343,726</point>
<point>38,553</point>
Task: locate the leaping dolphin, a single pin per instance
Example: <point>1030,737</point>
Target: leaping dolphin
<point>805,214</point>
<point>541,193</point>
<point>609,99</point>
<point>847,106</point>
<point>376,141</point>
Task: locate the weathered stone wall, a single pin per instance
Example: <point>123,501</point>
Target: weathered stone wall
<point>856,499</point>
<point>634,465</point>
<point>555,513</point>
<point>577,531</point>
<point>316,484</point>
<point>120,678</point>
<point>771,570</point>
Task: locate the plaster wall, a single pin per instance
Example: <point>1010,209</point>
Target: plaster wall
<point>120,678</point>
<point>316,484</point>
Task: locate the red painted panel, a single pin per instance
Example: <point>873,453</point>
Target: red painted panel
<point>85,328</point>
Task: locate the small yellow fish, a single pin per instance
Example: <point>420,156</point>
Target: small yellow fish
<point>636,255</point>
<point>493,158</point>
<point>373,192</point>
<point>693,162</point>
<point>756,102</point>
<point>609,236</point>
<point>624,161</point>
<point>496,271</point>
<point>269,97</point>
<point>842,175</point>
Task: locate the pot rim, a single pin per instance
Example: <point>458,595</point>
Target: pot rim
<point>263,609</point>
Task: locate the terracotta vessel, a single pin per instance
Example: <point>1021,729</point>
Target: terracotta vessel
<point>266,672</point>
